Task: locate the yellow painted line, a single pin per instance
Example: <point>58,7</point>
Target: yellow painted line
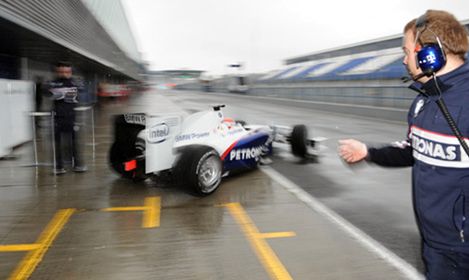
<point>266,255</point>
<point>33,258</point>
<point>277,234</point>
<point>122,209</point>
<point>151,211</point>
<point>151,214</point>
<point>19,247</point>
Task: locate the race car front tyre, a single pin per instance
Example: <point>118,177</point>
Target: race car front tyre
<point>241,122</point>
<point>299,141</point>
<point>199,168</point>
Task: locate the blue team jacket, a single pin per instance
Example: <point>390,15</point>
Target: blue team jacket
<point>440,167</point>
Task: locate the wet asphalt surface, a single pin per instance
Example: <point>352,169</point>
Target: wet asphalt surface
<point>375,199</point>
<point>117,230</point>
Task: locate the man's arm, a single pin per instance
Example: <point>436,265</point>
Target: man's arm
<point>396,155</point>
<point>55,92</point>
<point>80,85</point>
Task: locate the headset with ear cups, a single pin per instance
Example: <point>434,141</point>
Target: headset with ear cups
<point>429,57</point>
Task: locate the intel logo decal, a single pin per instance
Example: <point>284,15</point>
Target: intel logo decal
<point>158,133</point>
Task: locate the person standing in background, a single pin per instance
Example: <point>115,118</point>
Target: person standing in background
<point>66,92</point>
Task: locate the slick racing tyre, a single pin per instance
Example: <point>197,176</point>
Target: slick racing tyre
<point>199,169</point>
<point>120,153</point>
<point>299,141</point>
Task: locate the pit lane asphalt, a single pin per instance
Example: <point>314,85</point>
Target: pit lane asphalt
<point>375,199</point>
<point>200,238</point>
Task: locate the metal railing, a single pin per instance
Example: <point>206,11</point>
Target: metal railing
<point>50,115</point>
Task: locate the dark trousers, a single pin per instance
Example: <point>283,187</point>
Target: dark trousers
<point>64,129</point>
<point>445,265</point>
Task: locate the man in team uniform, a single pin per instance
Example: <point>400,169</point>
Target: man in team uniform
<point>440,167</point>
<point>65,92</point>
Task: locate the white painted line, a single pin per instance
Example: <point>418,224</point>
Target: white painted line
<point>364,239</point>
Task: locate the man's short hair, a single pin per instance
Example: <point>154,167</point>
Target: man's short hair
<point>63,64</point>
<point>452,33</point>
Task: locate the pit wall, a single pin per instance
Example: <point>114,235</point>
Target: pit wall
<point>384,99</point>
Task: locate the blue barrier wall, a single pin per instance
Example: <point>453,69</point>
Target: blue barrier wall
<point>364,74</point>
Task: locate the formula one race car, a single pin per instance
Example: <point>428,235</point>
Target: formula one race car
<point>198,150</point>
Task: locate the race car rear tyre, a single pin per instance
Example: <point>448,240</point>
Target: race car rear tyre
<point>115,159</point>
<point>299,141</point>
<point>199,168</point>
<point>120,153</point>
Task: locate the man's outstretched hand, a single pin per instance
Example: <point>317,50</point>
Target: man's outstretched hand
<point>352,151</point>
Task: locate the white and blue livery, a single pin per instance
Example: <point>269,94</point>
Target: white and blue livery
<point>197,150</point>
